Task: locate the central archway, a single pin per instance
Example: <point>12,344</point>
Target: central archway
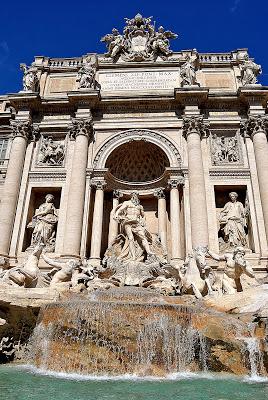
<point>137,161</point>
<point>163,142</point>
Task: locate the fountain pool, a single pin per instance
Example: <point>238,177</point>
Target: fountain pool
<point>27,383</point>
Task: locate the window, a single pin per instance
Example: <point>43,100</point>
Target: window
<point>3,148</point>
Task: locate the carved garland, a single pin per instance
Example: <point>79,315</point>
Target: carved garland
<point>143,134</point>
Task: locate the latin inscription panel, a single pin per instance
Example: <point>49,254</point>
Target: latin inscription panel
<point>139,80</point>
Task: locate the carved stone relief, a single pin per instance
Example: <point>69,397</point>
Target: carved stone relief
<point>51,152</point>
<point>225,150</point>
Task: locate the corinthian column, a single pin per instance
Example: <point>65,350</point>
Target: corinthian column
<point>113,225</point>
<point>175,224</point>
<point>193,128</point>
<point>256,127</point>
<point>97,222</point>
<point>21,132</point>
<point>81,131</point>
<point>162,216</point>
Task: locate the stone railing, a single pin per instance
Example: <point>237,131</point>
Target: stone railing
<point>216,57</point>
<point>65,62</point>
<point>3,163</point>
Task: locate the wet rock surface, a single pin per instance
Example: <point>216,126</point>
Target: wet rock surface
<point>134,330</point>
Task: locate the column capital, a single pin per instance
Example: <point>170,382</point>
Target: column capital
<point>254,124</point>
<point>194,124</point>
<point>159,193</point>
<point>117,194</point>
<point>21,128</point>
<point>81,126</point>
<point>175,182</point>
<point>99,184</point>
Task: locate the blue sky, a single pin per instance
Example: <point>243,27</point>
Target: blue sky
<point>71,28</point>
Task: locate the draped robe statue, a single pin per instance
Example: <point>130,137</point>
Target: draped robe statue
<point>233,222</point>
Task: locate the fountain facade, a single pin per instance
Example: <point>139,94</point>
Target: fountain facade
<point>133,188</point>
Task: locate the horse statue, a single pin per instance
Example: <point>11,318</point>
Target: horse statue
<point>196,276</point>
<point>26,275</point>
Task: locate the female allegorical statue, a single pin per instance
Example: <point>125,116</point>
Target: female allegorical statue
<point>43,223</point>
<point>233,222</point>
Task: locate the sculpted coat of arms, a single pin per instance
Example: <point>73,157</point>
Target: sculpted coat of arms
<point>140,41</point>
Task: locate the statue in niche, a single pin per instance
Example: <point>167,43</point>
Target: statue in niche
<point>224,149</point>
<point>236,266</point>
<point>188,72</point>
<point>249,71</point>
<point>86,75</point>
<point>30,79</point>
<point>233,221</point>
<point>136,257</point>
<point>51,153</point>
<point>44,224</point>
<point>130,215</point>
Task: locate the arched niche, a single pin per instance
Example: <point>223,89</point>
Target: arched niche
<point>162,142</point>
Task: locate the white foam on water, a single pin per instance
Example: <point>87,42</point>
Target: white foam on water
<point>178,376</point>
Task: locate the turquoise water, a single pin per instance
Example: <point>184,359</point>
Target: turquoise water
<point>18,383</point>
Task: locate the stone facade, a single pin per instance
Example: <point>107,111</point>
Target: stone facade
<point>183,129</point>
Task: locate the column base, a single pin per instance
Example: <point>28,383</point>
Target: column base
<point>95,261</point>
<point>176,262</point>
<point>68,256</point>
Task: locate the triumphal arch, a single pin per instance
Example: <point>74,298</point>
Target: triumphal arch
<point>183,134</point>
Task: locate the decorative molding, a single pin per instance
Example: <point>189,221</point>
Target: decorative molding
<point>160,140</point>
<point>230,173</point>
<point>81,126</point>
<point>194,124</point>
<point>98,184</point>
<point>254,124</point>
<point>117,194</point>
<point>175,182</point>
<point>47,176</point>
<point>159,193</point>
<point>21,128</point>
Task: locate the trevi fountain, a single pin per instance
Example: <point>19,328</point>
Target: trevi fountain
<point>134,224</point>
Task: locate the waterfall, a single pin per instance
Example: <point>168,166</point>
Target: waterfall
<point>255,356</point>
<point>135,331</point>
<point>117,337</point>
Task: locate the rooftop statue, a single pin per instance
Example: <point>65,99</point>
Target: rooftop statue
<point>140,41</point>
<point>86,75</point>
<point>30,79</point>
<point>249,71</point>
<point>188,72</point>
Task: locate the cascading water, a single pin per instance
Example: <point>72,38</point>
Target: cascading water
<point>134,332</point>
<point>254,356</point>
